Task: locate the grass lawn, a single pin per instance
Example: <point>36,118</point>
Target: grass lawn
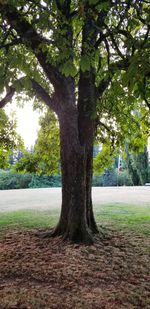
<point>114,273</point>
<point>119,216</point>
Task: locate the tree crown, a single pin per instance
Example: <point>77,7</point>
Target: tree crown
<point>47,47</point>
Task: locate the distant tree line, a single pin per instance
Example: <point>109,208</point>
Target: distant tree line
<point>135,171</point>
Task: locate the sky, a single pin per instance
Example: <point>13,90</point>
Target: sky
<point>27,121</point>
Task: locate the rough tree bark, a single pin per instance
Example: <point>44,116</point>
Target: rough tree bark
<point>76,219</point>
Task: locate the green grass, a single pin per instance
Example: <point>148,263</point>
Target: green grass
<point>28,219</point>
<point>120,216</point>
<point>125,216</point>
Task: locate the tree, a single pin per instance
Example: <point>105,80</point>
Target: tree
<point>80,58</point>
<point>9,139</point>
<point>47,146</point>
<point>44,159</point>
<point>137,165</point>
<point>104,159</point>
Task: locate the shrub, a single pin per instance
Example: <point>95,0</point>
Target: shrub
<point>112,177</point>
<point>45,181</point>
<point>124,179</point>
<point>11,180</point>
<point>97,181</point>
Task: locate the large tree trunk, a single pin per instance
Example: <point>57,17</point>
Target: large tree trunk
<point>73,223</point>
<point>77,129</point>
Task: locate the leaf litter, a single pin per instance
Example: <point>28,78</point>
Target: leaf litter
<point>37,273</point>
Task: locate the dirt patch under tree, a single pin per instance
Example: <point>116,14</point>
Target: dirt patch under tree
<point>47,274</point>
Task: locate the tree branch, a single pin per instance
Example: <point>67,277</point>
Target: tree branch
<point>128,4</point>
<point>39,91</point>
<point>115,44</point>
<point>139,14</point>
<point>108,51</point>
<point>8,97</point>
<point>104,125</point>
<point>100,40</point>
<point>42,93</point>
<point>103,86</point>
<point>32,40</point>
<point>121,65</point>
<point>10,93</point>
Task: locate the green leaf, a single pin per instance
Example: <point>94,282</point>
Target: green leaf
<point>85,63</point>
<point>69,69</point>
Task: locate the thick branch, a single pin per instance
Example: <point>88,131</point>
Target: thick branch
<point>8,97</point>
<point>42,94</point>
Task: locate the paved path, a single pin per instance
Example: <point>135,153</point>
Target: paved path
<point>50,198</point>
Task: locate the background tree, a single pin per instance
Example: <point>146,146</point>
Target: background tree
<point>47,146</point>
<point>137,165</point>
<point>44,159</point>
<point>74,55</point>
<point>9,139</point>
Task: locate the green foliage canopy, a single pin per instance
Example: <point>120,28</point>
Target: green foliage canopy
<point>41,41</point>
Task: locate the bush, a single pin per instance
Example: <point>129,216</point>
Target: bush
<point>10,180</point>
<point>124,179</point>
<point>97,181</point>
<point>45,181</point>
<point>112,177</point>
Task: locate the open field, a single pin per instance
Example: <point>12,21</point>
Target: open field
<point>50,198</point>
<point>37,273</point>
